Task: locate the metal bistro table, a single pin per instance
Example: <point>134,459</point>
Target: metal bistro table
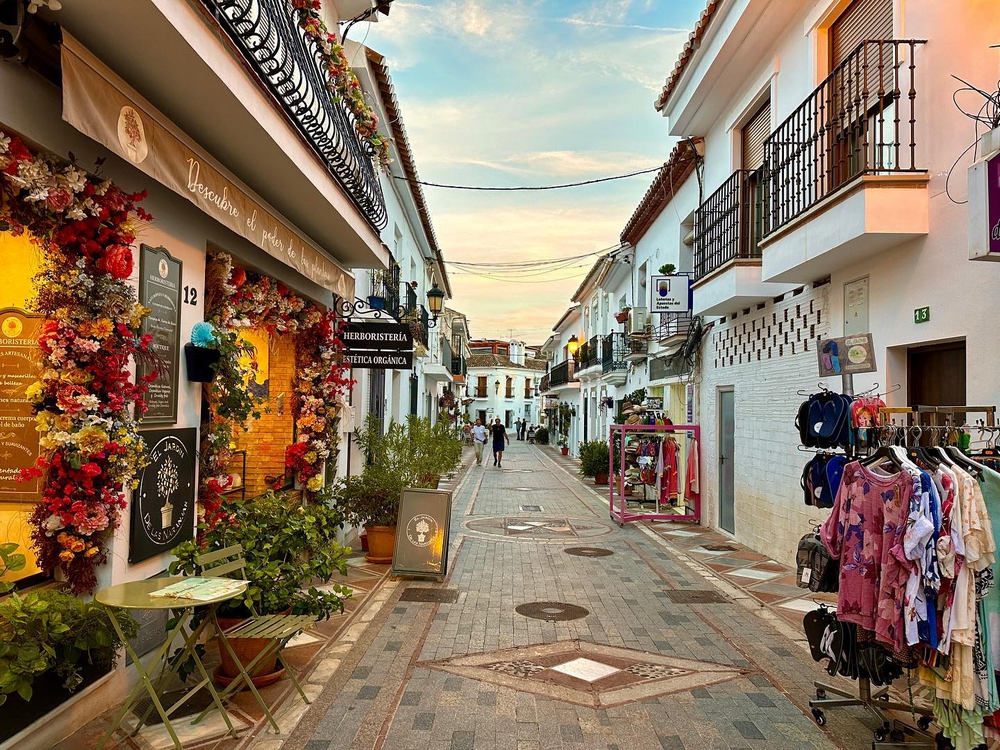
<point>138,595</point>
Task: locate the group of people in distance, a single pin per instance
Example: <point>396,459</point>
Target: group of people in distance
<point>478,434</point>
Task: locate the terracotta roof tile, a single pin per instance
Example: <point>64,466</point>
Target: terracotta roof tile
<point>690,47</point>
<point>500,360</point>
<point>667,182</point>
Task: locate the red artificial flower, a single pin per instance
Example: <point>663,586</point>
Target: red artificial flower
<point>238,277</point>
<point>117,261</point>
<point>59,199</point>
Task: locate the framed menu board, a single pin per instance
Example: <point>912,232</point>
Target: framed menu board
<point>160,277</point>
<point>18,369</point>
<point>422,531</point>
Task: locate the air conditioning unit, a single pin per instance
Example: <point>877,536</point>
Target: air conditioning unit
<point>637,320</point>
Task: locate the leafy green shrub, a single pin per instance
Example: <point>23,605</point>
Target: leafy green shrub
<point>50,631</point>
<point>287,547</point>
<point>593,458</point>
<point>542,436</point>
<point>11,561</point>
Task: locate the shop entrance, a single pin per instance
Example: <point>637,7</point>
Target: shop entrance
<point>727,478</point>
<point>935,374</point>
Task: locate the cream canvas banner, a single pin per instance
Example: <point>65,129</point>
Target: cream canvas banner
<point>100,105</point>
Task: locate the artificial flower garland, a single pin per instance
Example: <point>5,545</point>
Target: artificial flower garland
<point>341,81</point>
<point>86,399</point>
<point>242,300</point>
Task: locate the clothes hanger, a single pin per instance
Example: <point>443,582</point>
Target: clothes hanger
<point>919,452</point>
<point>885,452</point>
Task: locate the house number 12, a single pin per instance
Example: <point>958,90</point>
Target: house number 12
<point>190,295</point>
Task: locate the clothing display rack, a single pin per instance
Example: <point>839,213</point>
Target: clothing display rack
<point>659,463</point>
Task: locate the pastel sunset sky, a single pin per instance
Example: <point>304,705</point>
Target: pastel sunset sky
<point>530,92</point>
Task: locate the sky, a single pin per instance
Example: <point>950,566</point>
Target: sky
<point>530,92</point>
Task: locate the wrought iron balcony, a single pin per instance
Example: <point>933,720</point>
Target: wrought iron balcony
<point>544,384</point>
<point>287,63</point>
<point>590,353</point>
<point>614,348</point>
<point>672,325</point>
<point>860,120</point>
<point>728,225</point>
<point>563,373</point>
<point>384,284</point>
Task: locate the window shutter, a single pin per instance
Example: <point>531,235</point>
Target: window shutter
<point>863,19</point>
<point>755,132</point>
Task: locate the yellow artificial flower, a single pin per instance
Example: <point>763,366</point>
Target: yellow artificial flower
<point>102,328</point>
<point>34,391</point>
<point>315,484</point>
<point>66,556</point>
<point>310,457</point>
<point>91,439</point>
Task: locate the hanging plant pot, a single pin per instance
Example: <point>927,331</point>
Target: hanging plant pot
<point>201,363</point>
<point>621,317</point>
<point>376,303</point>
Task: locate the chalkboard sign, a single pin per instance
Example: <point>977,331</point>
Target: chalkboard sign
<point>160,276</point>
<point>163,506</point>
<point>422,532</point>
<point>18,369</point>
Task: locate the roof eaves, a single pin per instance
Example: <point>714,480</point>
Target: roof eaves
<point>402,145</point>
<point>675,172</point>
<point>690,47</point>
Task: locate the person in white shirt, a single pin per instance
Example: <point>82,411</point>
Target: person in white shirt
<point>479,435</point>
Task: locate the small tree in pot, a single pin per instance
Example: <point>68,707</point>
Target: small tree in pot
<point>594,460</point>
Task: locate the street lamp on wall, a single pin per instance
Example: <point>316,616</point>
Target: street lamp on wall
<point>573,345</point>
<point>496,386</point>
<point>435,300</point>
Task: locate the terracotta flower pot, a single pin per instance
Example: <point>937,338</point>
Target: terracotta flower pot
<point>565,450</point>
<point>601,478</point>
<point>621,317</point>
<point>431,480</point>
<point>246,649</point>
<point>381,543</point>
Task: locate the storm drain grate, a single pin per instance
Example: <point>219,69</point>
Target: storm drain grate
<point>442,596</point>
<point>588,551</point>
<point>530,508</point>
<point>551,611</point>
<point>696,596</point>
<point>719,547</point>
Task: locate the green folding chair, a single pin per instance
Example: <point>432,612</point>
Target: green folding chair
<point>279,629</point>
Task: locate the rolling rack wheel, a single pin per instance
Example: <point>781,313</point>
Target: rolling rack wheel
<point>819,716</point>
<point>924,723</point>
<point>820,694</point>
<point>882,733</point>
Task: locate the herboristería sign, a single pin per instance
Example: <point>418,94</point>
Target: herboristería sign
<point>375,336</point>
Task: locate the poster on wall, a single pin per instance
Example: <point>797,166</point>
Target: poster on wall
<point>18,436</point>
<point>847,355</point>
<point>160,290</point>
<point>163,506</point>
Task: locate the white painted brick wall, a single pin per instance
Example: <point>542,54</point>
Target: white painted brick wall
<point>770,514</point>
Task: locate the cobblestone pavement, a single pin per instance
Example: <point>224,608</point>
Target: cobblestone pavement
<point>640,669</point>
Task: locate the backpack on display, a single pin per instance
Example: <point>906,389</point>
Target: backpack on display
<point>816,569</point>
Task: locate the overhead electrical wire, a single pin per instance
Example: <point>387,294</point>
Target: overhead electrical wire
<point>500,189</point>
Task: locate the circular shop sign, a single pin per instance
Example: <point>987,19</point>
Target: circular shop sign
<point>165,491</point>
<point>422,530</point>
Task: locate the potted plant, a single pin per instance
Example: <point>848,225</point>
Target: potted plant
<point>435,450</point>
<point>594,459</point>
<point>622,315</point>
<point>289,548</point>
<point>542,436</point>
<point>667,268</point>
<point>563,444</point>
<point>52,644</point>
<point>203,353</point>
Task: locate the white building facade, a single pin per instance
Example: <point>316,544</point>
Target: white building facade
<point>502,382</point>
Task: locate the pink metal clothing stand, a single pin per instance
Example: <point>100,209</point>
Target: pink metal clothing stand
<point>617,505</point>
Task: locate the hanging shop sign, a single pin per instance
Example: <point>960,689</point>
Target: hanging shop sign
<point>379,360</point>
<point>18,370</point>
<point>160,277</point>
<point>670,294</point>
<point>100,105</point>
<point>422,533</point>
<point>847,355</point>
<point>377,336</point>
<point>163,506</point>
<point>984,203</point>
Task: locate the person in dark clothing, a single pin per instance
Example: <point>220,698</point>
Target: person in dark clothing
<point>500,439</point>
<point>517,429</point>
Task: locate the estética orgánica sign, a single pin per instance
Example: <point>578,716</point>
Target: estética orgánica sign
<point>379,360</point>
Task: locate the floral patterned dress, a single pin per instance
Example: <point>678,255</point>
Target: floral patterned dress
<point>865,532</point>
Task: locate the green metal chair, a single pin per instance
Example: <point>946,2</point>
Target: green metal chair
<point>279,629</point>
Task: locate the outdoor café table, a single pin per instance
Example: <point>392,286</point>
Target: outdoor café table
<point>138,595</point>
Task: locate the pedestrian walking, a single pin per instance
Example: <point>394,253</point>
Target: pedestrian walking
<point>467,433</point>
<point>500,439</point>
<point>479,435</point>
<point>517,428</point>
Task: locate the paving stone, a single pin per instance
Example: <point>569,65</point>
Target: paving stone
<point>410,698</point>
<point>368,692</point>
<point>463,740</point>
<point>423,720</point>
<point>761,700</point>
<point>749,730</point>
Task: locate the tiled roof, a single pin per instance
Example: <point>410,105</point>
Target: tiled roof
<point>667,182</point>
<point>499,360</point>
<point>402,145</point>
<point>690,47</point>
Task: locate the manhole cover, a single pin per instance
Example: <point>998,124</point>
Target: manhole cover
<point>719,547</point>
<point>695,596</point>
<point>588,551</point>
<point>530,508</point>
<point>444,596</point>
<point>551,611</point>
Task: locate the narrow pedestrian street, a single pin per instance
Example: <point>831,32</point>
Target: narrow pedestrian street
<point>613,658</point>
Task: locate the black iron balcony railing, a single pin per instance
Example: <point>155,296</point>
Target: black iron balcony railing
<point>590,353</point>
<point>860,120</point>
<point>287,63</point>
<point>671,325</point>
<point>385,286</point>
<point>425,319</point>
<point>446,355</point>
<point>544,384</point>
<point>457,365</point>
<point>563,373</point>
<point>614,347</point>
<point>670,367</point>
<point>636,346</point>
<point>728,225</point>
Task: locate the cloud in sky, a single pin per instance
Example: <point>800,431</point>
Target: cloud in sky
<point>530,92</point>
